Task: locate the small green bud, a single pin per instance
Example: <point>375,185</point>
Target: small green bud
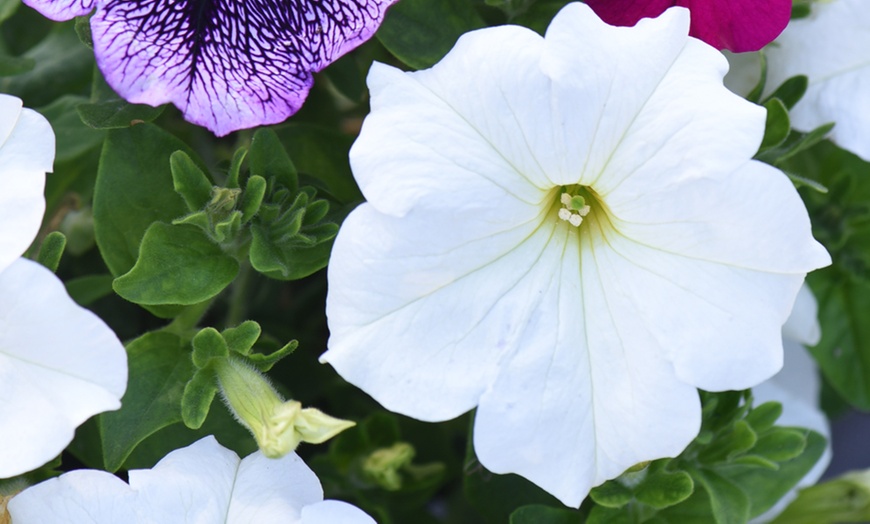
<point>277,425</point>
<point>382,465</point>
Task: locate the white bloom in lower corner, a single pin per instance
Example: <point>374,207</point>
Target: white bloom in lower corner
<point>462,283</point>
<point>830,47</point>
<point>59,365</point>
<point>203,483</point>
<point>797,388</point>
<point>26,155</point>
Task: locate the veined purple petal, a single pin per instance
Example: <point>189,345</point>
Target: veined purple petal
<point>227,64</point>
<point>60,10</point>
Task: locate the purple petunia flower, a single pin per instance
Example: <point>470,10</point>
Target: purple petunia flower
<point>227,64</point>
<point>736,25</point>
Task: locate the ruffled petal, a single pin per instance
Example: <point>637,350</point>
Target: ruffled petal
<point>59,365</point>
<point>203,482</point>
<point>227,65</point>
<point>60,10</point>
<point>456,152</point>
<point>26,154</point>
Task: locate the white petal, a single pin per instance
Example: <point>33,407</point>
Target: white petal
<point>802,325</point>
<point>59,365</point>
<point>334,512</point>
<point>192,484</point>
<point>26,154</point>
<point>830,47</point>
<point>588,393</point>
<point>422,308</point>
<point>78,497</point>
<point>202,483</point>
<point>446,149</point>
<point>273,490</point>
<point>671,112</point>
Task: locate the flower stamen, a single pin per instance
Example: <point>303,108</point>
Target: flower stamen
<point>574,209</point>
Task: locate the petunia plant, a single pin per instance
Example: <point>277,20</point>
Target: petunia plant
<point>432,261</point>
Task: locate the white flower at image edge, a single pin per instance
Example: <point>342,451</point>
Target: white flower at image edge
<point>797,388</point>
<point>579,326</point>
<point>202,483</point>
<point>26,154</point>
<point>59,363</point>
<point>831,48</point>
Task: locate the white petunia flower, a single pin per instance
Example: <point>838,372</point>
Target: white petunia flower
<point>797,388</point>
<point>830,47</point>
<point>59,365</point>
<point>461,284</point>
<point>26,154</point>
<point>202,483</point>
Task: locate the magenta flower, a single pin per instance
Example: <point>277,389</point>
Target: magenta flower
<point>736,25</point>
<point>227,64</point>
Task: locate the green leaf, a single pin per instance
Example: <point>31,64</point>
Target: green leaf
<point>778,125</point>
<point>790,92</point>
<point>198,396</point>
<point>51,250</point>
<point>159,366</point>
<point>242,338</point>
<point>611,494</point>
<point>83,30</point>
<point>15,65</point>
<point>63,66</point>
<point>764,416</point>
<point>755,95</point>
<point>72,137</point>
<point>134,189</point>
<point>88,289</point>
<point>780,444</point>
<point>267,158</point>
<point>663,489</point>
<point>729,503</point>
<point>116,114</point>
<point>766,486</point>
<point>208,344</point>
<point>189,181</point>
<point>281,261</point>
<point>539,514</point>
<point>421,32</point>
<point>8,8</point>
<point>252,198</point>
<point>177,265</point>
<point>603,515</point>
<point>322,153</point>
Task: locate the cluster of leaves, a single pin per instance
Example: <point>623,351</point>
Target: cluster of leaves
<point>169,229</point>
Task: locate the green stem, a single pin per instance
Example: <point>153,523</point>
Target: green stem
<point>185,323</point>
<point>238,307</point>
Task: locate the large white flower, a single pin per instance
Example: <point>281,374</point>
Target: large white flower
<point>202,483</point>
<point>465,280</point>
<point>59,363</point>
<point>26,154</point>
<point>831,48</point>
